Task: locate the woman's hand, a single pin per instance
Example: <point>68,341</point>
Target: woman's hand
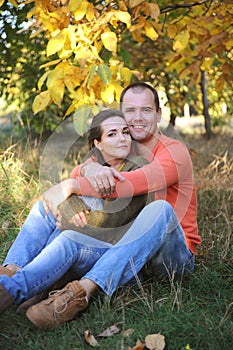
<point>78,219</point>
<point>57,194</point>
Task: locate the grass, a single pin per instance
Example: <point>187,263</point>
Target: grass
<point>194,312</point>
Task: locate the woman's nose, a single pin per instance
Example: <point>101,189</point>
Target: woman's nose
<point>122,137</point>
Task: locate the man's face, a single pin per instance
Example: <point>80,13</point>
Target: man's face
<point>140,114</point>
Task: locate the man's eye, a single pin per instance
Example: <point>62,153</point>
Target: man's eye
<point>147,110</point>
<point>131,110</point>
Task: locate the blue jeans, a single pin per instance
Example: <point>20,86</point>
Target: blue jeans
<point>45,254</point>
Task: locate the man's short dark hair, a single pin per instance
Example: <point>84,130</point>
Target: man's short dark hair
<point>140,86</point>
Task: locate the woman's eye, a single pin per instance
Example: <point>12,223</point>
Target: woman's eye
<point>126,132</point>
<point>111,134</point>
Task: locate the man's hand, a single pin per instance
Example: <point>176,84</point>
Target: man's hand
<point>102,178</point>
<point>57,194</point>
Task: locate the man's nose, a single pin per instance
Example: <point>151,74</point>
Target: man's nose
<point>138,113</point>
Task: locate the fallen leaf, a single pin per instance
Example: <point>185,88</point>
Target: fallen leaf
<point>155,341</point>
<point>139,345</point>
<point>6,224</point>
<point>90,339</point>
<point>128,332</point>
<point>109,331</point>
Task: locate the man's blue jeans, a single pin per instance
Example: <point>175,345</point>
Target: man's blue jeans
<point>45,254</point>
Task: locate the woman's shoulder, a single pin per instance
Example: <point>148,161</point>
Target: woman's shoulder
<point>134,162</point>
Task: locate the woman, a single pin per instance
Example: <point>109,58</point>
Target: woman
<point>50,258</point>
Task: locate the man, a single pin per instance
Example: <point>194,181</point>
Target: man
<point>164,236</point>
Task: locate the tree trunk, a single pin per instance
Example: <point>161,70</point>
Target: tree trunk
<point>172,119</point>
<point>205,106</point>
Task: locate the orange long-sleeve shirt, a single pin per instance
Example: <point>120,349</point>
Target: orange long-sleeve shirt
<point>169,175</point>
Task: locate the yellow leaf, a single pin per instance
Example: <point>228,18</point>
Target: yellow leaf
<point>105,73</point>
<point>181,41</point>
<point>80,118</point>
<point>118,90</point>
<point>229,44</point>
<point>81,11</point>
<point>90,12</point>
<point>109,40</point>
<point>137,36</point>
<point>42,79</point>
<point>71,36</point>
<point>171,31</point>
<point>55,44</point>
<point>133,3</point>
<point>54,75</point>
<point>82,54</point>
<point>41,101</point>
<point>49,64</point>
<point>155,341</point>
<point>207,63</point>
<point>107,94</point>
<point>126,74</point>
<point>74,4</point>
<point>1,2</point>
<point>124,17</point>
<point>57,92</point>
<point>14,3</point>
<point>90,339</point>
<point>150,32</point>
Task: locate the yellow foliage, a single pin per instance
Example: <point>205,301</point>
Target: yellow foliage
<point>90,13</point>
<point>126,74</point>
<point>150,32</point>
<point>171,31</point>
<point>109,40</point>
<point>41,102</point>
<point>55,44</point>
<point>81,11</point>
<point>107,94</point>
<point>181,41</point>
<point>124,17</point>
<point>79,31</point>
<point>74,4</point>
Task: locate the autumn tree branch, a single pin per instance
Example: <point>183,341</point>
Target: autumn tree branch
<point>168,8</point>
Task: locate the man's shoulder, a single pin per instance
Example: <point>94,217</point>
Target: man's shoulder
<point>166,141</point>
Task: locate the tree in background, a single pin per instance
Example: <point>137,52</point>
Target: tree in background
<point>89,50</point>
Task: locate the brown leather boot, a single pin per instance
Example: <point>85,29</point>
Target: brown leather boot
<point>6,272</point>
<point>60,307</point>
<point>69,276</point>
<point>6,299</point>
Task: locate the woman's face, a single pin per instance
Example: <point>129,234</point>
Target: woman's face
<point>115,141</point>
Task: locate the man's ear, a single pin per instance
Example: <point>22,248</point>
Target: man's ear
<point>97,144</point>
<point>159,115</point>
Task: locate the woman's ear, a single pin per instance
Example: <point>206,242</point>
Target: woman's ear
<point>97,144</point>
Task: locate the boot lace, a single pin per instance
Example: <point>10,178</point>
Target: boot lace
<point>67,295</point>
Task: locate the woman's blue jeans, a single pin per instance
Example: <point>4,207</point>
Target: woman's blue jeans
<point>45,254</point>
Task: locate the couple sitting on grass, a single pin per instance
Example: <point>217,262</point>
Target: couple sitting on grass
<point>129,210</point>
